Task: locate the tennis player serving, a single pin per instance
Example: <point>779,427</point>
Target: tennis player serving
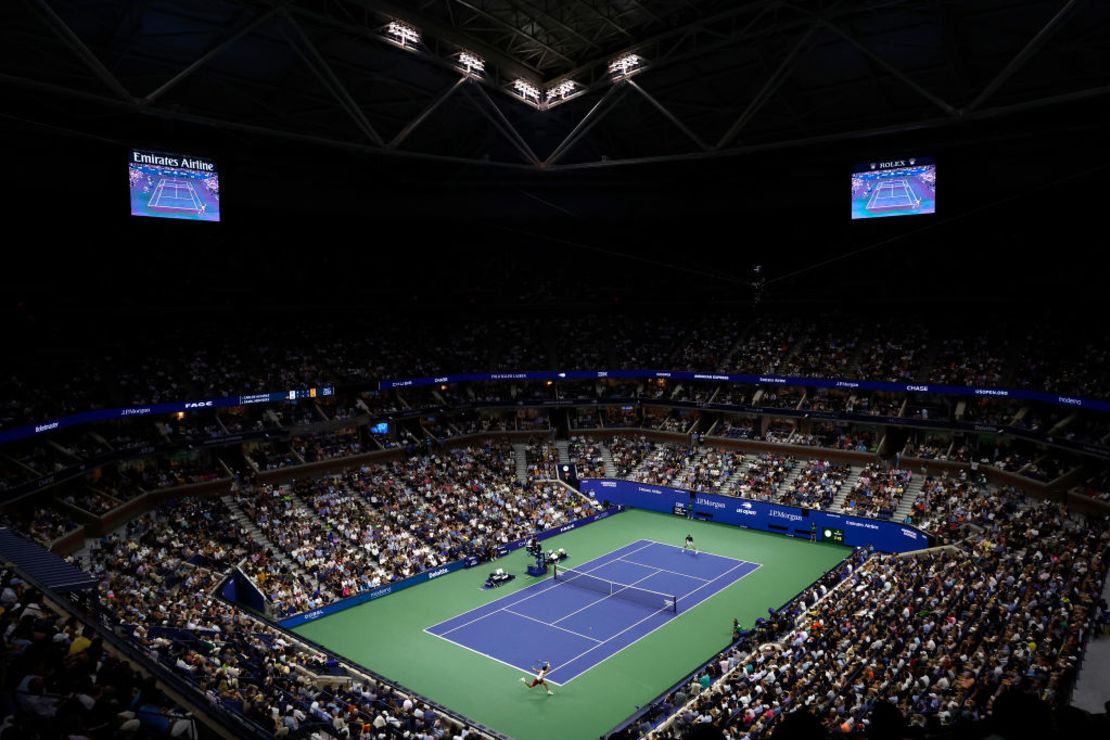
<point>542,671</point>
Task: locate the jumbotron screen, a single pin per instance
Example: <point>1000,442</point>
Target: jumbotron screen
<point>173,186</point>
<point>899,187</point>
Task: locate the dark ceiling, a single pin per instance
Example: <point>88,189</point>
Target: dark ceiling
<point>718,77</point>
<point>356,171</point>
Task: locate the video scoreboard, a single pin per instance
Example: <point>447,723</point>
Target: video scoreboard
<point>895,187</point>
<point>170,185</point>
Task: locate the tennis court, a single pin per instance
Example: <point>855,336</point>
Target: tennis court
<point>893,194</point>
<point>582,617</point>
<point>175,194</point>
<point>393,636</point>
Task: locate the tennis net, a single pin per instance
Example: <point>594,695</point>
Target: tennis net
<point>646,597</point>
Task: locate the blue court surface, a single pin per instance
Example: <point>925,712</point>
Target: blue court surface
<point>577,623</point>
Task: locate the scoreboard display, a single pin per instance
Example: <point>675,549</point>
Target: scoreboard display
<point>165,185</point>
<point>897,187</point>
<point>828,534</point>
<point>680,509</point>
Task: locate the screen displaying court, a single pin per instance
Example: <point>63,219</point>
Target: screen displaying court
<point>173,186</point>
<point>899,187</point>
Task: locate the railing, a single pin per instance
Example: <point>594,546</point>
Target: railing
<point>184,692</point>
<point>146,450</point>
<point>51,425</point>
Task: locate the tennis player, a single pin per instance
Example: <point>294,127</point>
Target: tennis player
<point>542,671</point>
<point>690,544</point>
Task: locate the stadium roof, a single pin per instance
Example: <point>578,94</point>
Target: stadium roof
<point>713,77</point>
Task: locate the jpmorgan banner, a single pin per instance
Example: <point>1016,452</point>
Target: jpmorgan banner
<point>883,535</point>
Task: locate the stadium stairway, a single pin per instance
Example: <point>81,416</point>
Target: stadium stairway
<point>655,456</point>
<point>741,338</point>
<point>252,530</point>
<point>1093,684</point>
<point>563,446</point>
<point>905,506</point>
<point>849,484</point>
<point>690,465</point>
<point>520,455</point>
<point>733,482</point>
<point>796,350</point>
<point>607,459</point>
<point>788,483</point>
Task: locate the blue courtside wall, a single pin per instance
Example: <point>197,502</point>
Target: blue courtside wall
<point>885,536</point>
<point>246,592</point>
<point>299,619</point>
<point>377,593</point>
<point>506,549</point>
<point>229,590</point>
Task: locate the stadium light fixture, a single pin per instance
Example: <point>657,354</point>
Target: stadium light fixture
<point>527,92</point>
<point>626,65</point>
<point>561,93</point>
<point>401,34</point>
<point>472,64</point>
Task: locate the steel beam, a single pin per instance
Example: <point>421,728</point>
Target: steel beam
<point>774,82</point>
<point>923,125</point>
<point>891,69</point>
<point>669,116</point>
<point>320,67</point>
<point>212,53</point>
<point>74,42</point>
<point>175,114</point>
<point>592,117</point>
<point>529,9</point>
<point>439,100</point>
<point>739,9</point>
<point>604,19</point>
<point>498,119</point>
<point>1023,56</point>
<point>451,35</point>
<point>514,30</point>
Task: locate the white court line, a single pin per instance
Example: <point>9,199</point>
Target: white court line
<point>595,647</point>
<point>663,570</point>
<point>641,637</point>
<point>541,591</point>
<point>603,598</point>
<point>154,196</point>
<point>704,552</point>
<point>668,621</point>
<point>507,609</point>
<point>159,193</point>
<point>907,194</point>
<point>564,629</point>
<point>176,208</point>
<point>485,655</point>
<point>738,565</point>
